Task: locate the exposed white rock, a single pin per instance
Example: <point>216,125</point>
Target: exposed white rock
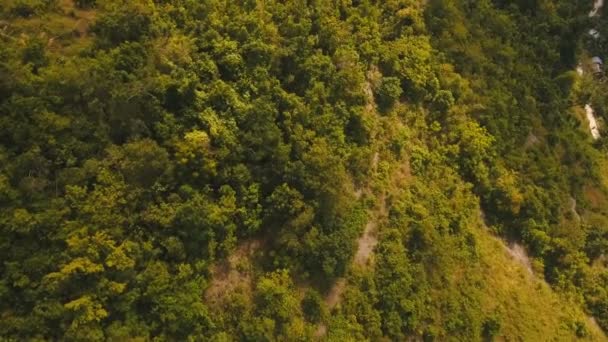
<point>597,5</point>
<point>595,132</point>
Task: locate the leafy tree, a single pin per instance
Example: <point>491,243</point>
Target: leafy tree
<point>389,92</point>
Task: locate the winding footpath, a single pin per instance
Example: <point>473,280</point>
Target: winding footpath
<point>368,240</point>
<point>595,132</point>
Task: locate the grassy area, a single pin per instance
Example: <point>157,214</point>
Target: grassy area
<point>65,28</point>
<point>530,310</point>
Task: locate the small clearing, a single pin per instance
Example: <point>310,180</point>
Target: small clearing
<point>235,272</point>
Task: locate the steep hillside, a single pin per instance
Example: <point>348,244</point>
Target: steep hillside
<point>300,170</point>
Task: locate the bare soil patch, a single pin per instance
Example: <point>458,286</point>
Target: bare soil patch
<point>234,273</point>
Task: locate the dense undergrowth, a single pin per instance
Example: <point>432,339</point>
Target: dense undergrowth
<point>143,142</point>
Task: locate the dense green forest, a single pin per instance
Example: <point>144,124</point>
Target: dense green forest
<point>294,170</point>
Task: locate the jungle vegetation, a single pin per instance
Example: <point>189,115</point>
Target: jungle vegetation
<point>189,170</point>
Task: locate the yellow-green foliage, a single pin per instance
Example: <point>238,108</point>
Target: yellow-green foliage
<point>528,309</point>
<point>146,145</point>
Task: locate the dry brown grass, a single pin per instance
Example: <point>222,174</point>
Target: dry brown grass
<point>235,273</point>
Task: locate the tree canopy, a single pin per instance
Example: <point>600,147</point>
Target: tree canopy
<point>153,151</point>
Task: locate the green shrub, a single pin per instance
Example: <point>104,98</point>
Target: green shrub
<point>85,3</point>
<point>28,8</point>
<point>389,92</point>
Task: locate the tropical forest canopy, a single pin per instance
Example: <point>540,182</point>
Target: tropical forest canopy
<point>297,170</point>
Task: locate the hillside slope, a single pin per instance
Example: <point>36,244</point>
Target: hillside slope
<point>514,304</point>
<point>299,170</point>
<point>530,308</point>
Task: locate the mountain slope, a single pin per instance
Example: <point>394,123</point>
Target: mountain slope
<point>298,170</point>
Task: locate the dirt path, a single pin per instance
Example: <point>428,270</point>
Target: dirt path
<point>366,244</point>
<point>573,210</point>
<point>595,133</point>
<point>369,239</point>
<point>519,254</point>
<point>335,294</point>
<point>235,272</point>
<point>589,112</point>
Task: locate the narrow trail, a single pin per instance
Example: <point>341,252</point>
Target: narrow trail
<point>234,272</point>
<point>593,126</point>
<point>363,256</point>
<point>531,140</point>
<point>369,238</point>
<point>589,112</point>
<point>335,294</point>
<point>573,210</point>
<point>365,244</point>
<point>519,254</point>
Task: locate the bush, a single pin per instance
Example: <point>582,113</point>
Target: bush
<point>34,53</point>
<point>491,328</point>
<point>118,27</point>
<point>313,307</point>
<point>85,3</point>
<point>389,92</point>
<point>28,8</point>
